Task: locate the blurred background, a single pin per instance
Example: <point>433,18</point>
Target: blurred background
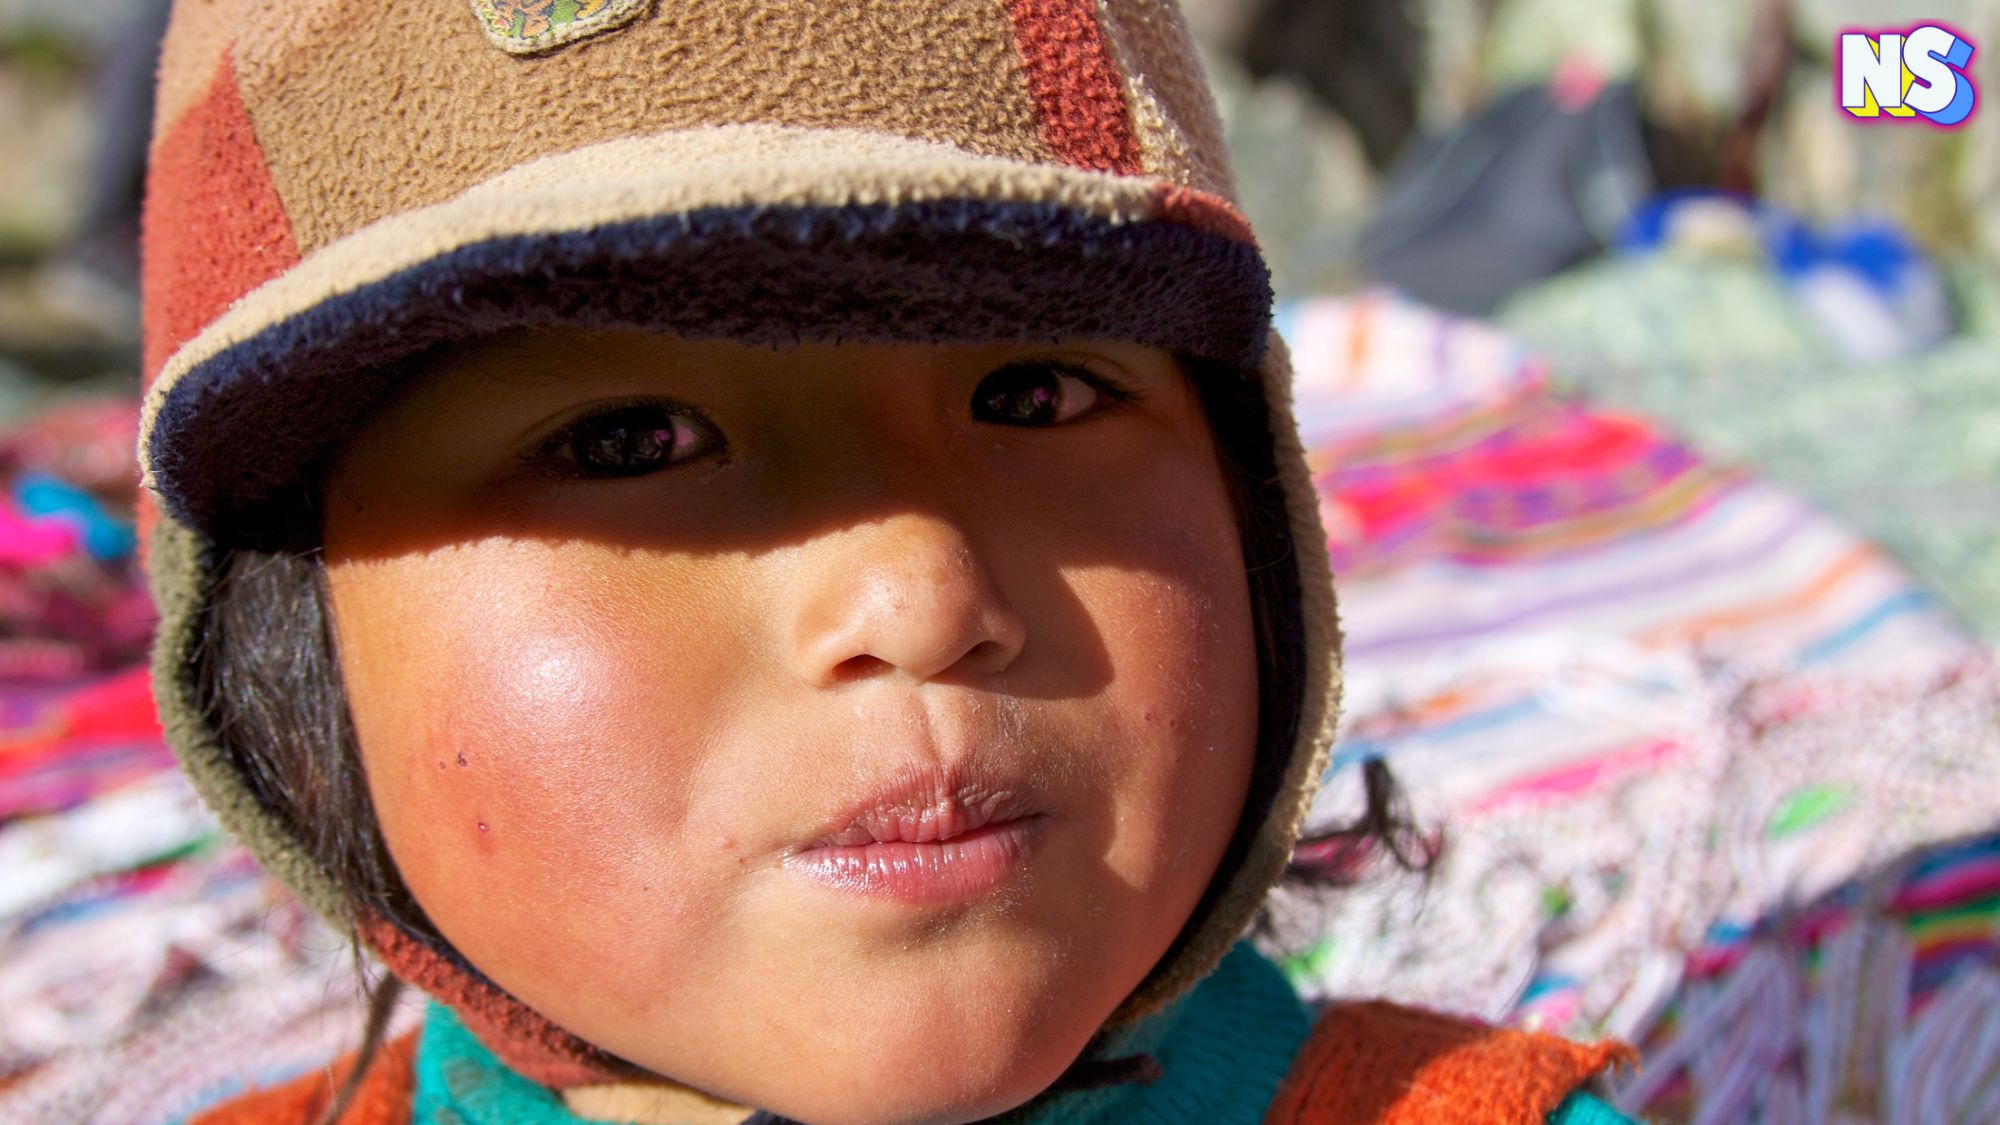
<point>1655,409</point>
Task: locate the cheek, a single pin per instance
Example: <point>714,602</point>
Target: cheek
<point>521,754</point>
<point>505,743</point>
<point>1177,627</point>
<point>1185,686</point>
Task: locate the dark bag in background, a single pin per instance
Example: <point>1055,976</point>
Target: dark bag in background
<point>1530,184</point>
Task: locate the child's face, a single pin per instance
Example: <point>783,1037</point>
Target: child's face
<point>671,662</point>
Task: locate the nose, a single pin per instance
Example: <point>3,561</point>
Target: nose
<point>906,593</point>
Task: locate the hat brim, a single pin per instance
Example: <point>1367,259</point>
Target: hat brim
<point>757,233</point>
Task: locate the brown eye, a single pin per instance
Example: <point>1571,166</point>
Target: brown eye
<point>1041,394</point>
<point>630,441</point>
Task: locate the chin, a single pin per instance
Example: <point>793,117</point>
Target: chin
<point>916,1099</point>
<point>944,1077</point>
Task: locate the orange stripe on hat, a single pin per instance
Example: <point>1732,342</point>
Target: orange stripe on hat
<point>214,226</point>
<point>1079,94</point>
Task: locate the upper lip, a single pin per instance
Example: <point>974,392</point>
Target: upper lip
<point>923,805</point>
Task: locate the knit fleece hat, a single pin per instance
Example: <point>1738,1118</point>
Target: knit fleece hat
<point>336,186</point>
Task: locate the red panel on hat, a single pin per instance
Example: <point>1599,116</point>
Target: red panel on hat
<point>1204,211</point>
<point>1079,94</point>
<point>214,228</point>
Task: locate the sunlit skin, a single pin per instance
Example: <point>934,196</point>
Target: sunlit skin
<point>602,715</point>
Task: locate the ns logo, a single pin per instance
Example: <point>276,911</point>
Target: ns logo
<point>1919,74</point>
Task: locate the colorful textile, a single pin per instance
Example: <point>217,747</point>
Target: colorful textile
<point>1880,1000</point>
<point>1651,703</point>
<point>72,604</point>
<point>159,978</point>
<point>58,749</point>
<point>1761,383</point>
<point>144,966</point>
<point>383,1097</point>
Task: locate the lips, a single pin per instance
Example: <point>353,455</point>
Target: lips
<point>930,838</point>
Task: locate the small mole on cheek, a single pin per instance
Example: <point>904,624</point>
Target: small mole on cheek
<point>482,839</point>
<point>462,763</point>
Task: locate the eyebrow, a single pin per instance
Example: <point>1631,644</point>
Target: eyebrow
<point>508,359</point>
<point>519,349</point>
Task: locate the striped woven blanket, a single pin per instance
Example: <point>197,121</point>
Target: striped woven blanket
<point>1713,773</point>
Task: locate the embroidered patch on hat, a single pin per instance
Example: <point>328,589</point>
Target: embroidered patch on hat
<point>526,27</point>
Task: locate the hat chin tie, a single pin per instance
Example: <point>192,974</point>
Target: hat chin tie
<point>518,1036</point>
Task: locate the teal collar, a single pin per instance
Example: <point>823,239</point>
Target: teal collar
<point>1224,1048</point>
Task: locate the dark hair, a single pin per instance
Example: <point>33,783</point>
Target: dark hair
<point>272,689</point>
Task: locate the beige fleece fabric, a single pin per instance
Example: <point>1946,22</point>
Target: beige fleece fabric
<point>198,35</point>
<point>411,110</point>
<point>1180,136</point>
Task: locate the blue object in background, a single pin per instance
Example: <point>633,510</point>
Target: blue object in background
<point>105,537</point>
<point>1866,283</point>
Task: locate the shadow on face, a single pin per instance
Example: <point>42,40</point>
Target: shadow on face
<point>629,625</point>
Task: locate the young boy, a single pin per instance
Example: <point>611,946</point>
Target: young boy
<point>758,553</point>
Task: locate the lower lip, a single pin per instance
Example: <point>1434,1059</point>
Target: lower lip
<point>944,871</point>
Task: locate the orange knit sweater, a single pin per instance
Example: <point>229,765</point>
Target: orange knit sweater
<point>1375,1063</point>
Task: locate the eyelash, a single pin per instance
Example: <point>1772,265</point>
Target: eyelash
<point>551,455</point>
<point>551,458</point>
<point>1108,385</point>
<point>1114,391</point>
